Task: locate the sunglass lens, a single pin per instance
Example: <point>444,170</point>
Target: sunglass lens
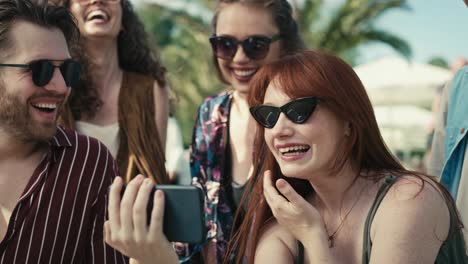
<point>42,72</point>
<point>299,111</point>
<point>223,47</point>
<point>256,48</point>
<point>71,72</point>
<point>266,116</point>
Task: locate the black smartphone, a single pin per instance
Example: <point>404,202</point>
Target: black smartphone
<point>184,219</point>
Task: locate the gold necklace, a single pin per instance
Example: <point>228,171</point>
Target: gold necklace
<point>331,238</point>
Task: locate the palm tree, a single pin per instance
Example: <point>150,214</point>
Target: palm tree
<point>439,62</point>
<point>349,26</point>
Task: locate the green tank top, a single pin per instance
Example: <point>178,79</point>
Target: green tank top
<point>452,250</point>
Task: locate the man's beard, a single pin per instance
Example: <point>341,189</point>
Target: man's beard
<point>16,120</point>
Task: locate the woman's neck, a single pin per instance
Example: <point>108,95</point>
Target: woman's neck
<point>240,103</point>
<point>334,192</point>
<point>105,67</point>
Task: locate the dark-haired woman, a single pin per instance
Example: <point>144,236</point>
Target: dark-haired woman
<point>122,99</point>
<point>247,34</point>
<point>328,190</point>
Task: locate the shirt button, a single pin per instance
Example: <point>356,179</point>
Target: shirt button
<point>462,130</point>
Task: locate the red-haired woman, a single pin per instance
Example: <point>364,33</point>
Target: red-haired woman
<point>328,190</point>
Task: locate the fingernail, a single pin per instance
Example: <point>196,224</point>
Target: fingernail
<point>159,194</point>
<point>280,183</point>
<point>139,178</point>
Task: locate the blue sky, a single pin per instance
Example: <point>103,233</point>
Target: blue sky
<point>432,27</point>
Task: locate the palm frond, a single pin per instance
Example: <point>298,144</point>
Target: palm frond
<point>352,24</point>
<point>397,43</point>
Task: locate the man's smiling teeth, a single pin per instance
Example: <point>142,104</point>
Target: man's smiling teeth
<point>244,73</point>
<point>294,149</point>
<point>46,106</point>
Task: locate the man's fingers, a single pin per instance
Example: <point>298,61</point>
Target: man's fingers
<point>114,203</point>
<point>107,233</point>
<point>139,210</point>
<point>126,205</point>
<point>157,215</point>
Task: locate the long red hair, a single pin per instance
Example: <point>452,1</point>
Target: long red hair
<point>313,73</point>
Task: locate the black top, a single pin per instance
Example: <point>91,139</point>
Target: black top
<point>452,250</point>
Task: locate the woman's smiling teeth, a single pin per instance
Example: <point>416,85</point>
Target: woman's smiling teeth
<point>244,73</point>
<point>294,150</point>
<point>97,15</point>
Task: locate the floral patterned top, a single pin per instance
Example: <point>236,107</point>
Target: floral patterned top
<point>208,164</point>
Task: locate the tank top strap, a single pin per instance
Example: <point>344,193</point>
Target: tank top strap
<point>367,245</point>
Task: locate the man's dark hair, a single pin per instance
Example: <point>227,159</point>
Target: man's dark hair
<point>40,14</point>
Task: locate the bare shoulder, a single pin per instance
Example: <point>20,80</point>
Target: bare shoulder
<point>275,245</point>
<point>412,222</point>
<point>416,197</point>
<point>418,192</point>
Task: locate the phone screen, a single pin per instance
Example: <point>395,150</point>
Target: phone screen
<point>183,213</point>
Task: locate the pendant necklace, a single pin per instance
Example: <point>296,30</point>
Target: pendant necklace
<point>331,238</point>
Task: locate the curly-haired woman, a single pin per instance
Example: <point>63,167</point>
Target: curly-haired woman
<point>122,98</point>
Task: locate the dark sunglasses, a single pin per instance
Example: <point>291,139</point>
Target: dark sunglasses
<point>255,47</point>
<point>298,111</point>
<point>43,70</point>
<point>84,2</point>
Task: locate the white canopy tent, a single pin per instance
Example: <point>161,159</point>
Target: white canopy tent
<point>403,127</point>
<point>402,93</point>
<point>394,80</point>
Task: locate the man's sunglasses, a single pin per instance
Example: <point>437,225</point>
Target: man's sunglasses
<point>84,2</point>
<point>43,71</point>
<point>298,111</point>
<point>255,47</point>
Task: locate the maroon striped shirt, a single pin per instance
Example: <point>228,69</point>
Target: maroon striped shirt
<point>59,217</point>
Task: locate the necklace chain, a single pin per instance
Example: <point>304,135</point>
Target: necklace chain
<point>331,238</point>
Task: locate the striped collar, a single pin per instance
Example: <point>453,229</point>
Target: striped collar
<point>61,138</point>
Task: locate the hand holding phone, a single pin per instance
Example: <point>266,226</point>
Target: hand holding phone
<point>127,229</point>
<point>183,212</point>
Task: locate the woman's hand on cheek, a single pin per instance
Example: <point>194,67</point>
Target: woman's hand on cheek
<point>291,210</point>
<point>127,229</point>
